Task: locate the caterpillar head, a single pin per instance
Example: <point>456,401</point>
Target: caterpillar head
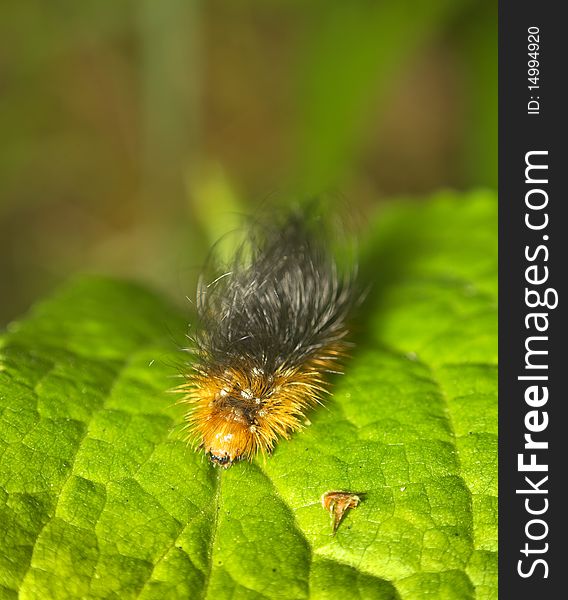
<point>238,413</point>
<point>227,438</point>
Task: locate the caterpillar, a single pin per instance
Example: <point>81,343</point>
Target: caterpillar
<point>270,327</point>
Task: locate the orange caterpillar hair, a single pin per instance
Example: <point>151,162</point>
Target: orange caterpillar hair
<point>269,329</point>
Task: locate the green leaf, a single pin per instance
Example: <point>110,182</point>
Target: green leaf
<point>99,499</point>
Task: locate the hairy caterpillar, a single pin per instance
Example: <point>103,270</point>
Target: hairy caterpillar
<point>270,327</point>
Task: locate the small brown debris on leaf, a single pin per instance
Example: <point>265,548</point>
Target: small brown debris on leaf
<point>337,504</point>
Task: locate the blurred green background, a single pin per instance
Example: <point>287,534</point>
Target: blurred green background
<point>133,133</point>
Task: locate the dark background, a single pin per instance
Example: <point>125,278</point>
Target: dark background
<point>133,132</point>
<point>518,134</point>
